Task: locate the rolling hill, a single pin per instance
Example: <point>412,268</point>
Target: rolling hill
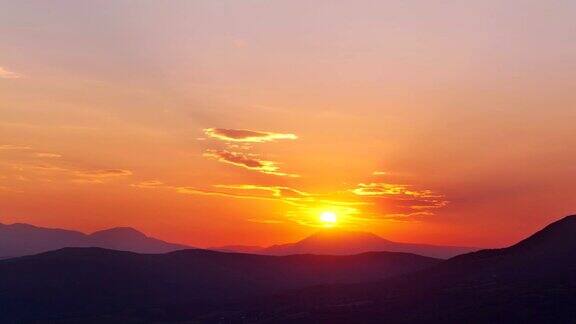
<point>92,283</point>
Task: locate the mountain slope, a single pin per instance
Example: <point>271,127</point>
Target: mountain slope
<point>23,239</point>
<point>86,282</point>
<point>533,281</point>
<point>340,242</point>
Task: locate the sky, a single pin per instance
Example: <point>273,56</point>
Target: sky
<point>241,122</point>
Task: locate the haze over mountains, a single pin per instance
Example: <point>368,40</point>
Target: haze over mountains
<point>340,242</point>
<point>24,239</point>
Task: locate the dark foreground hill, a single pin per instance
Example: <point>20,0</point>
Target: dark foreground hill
<point>24,239</point>
<point>93,284</point>
<point>533,281</point>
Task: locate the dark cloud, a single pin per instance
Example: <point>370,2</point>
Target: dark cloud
<point>247,161</point>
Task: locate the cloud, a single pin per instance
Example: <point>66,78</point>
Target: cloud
<point>99,176</point>
<point>248,136</point>
<point>247,161</point>
<point>46,171</point>
<point>189,190</point>
<point>149,184</point>
<point>277,191</point>
<point>198,191</point>
<point>400,201</point>
<point>106,173</point>
<point>389,189</point>
<point>47,155</point>
<point>5,74</point>
<point>10,147</point>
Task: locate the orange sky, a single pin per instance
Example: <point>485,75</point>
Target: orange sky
<point>239,122</point>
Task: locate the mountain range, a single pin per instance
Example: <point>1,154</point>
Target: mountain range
<point>533,281</point>
<point>24,239</point>
<point>341,242</point>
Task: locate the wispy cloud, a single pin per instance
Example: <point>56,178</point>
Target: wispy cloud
<point>76,175</point>
<point>389,189</point>
<point>12,147</point>
<point>247,161</point>
<point>149,184</point>
<point>190,190</point>
<point>400,201</point>
<point>47,155</point>
<point>277,191</point>
<point>198,191</point>
<point>248,136</point>
<point>5,74</point>
<point>104,173</point>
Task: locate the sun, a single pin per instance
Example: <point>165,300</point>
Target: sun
<point>328,218</point>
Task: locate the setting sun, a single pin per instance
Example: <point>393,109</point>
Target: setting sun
<point>328,218</point>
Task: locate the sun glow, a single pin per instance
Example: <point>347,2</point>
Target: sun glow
<point>329,218</point>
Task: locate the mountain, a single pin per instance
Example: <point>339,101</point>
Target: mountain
<point>340,242</point>
<point>99,285</point>
<point>252,249</point>
<point>533,281</point>
<point>24,239</point>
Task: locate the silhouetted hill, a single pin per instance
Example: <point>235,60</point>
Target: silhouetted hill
<point>23,239</point>
<point>83,283</point>
<point>533,281</point>
<point>238,249</point>
<point>340,242</point>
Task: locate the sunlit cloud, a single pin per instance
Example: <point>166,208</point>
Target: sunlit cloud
<point>190,190</point>
<point>399,202</point>
<point>197,191</point>
<point>5,74</point>
<point>276,191</point>
<point>105,173</point>
<point>389,189</point>
<point>11,147</point>
<point>73,174</point>
<point>47,155</point>
<point>149,184</point>
<point>248,136</point>
<point>407,217</point>
<point>247,161</point>
<point>99,176</point>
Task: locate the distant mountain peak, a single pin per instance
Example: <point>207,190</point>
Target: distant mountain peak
<point>331,234</point>
<point>334,241</point>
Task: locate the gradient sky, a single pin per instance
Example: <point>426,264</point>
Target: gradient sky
<point>238,122</point>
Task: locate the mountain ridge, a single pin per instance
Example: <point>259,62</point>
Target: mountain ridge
<point>20,239</point>
<point>188,283</point>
